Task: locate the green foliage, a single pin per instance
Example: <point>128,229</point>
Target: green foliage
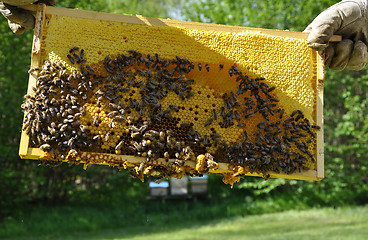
<point>157,8</point>
<point>14,62</point>
<point>346,137</point>
<point>188,220</point>
<point>133,215</point>
<point>281,14</point>
<point>262,187</point>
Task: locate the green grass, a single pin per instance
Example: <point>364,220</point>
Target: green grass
<point>347,223</point>
<point>51,221</point>
<point>325,223</point>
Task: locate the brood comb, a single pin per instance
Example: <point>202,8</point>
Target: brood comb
<point>170,98</point>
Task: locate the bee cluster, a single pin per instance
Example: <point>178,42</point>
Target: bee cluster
<point>120,106</point>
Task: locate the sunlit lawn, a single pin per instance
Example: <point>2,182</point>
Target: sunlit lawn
<point>347,223</point>
<point>342,223</point>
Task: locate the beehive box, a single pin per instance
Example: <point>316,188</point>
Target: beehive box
<point>173,98</point>
<point>179,187</point>
<point>199,185</point>
<point>159,189</point>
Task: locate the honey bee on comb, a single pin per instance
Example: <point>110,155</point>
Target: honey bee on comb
<point>145,120</point>
<point>159,114</point>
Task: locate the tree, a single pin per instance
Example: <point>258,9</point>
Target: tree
<point>281,14</point>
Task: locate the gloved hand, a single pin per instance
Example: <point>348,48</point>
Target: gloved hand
<point>19,19</point>
<point>348,18</point>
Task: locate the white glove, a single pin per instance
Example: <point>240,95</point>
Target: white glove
<point>347,18</point>
<point>19,20</point>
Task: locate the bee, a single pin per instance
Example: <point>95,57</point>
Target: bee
<point>205,140</point>
<point>157,57</point>
<point>231,72</point>
<point>312,134</point>
<point>221,66</point>
<point>208,122</point>
<point>294,113</point>
<point>133,52</point>
<point>237,116</point>
<point>268,129</point>
<point>185,124</point>
<point>31,70</point>
<point>76,56</point>
<point>229,103</point>
<point>81,54</point>
<point>71,59</point>
<point>174,107</point>
<point>179,162</point>
<point>289,120</point>
<point>138,84</point>
<point>282,113</point>
<point>112,124</point>
<point>140,72</point>
<point>70,142</point>
<point>249,115</point>
<point>215,136</point>
<point>75,48</point>
<point>149,58</point>
<point>107,136</point>
<point>234,96</point>
<point>235,69</point>
<point>90,68</point>
<point>246,136</point>
<point>264,90</point>
<point>271,89</point>
<point>72,153</point>
<point>316,127</point>
<point>222,111</point>
<point>126,89</point>
<point>261,124</point>
<point>207,67</point>
<point>140,168</point>
<point>83,128</point>
<point>298,117</point>
<point>311,156</point>
<point>214,114</point>
<point>112,114</point>
<point>97,138</point>
<point>46,147</point>
<point>149,154</point>
<point>131,81</point>
<point>166,156</point>
<point>144,143</point>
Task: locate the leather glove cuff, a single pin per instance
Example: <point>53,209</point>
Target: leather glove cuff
<point>17,15</point>
<point>348,18</point>
<point>19,19</point>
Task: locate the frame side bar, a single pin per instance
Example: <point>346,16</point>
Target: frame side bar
<point>35,62</point>
<point>320,134</point>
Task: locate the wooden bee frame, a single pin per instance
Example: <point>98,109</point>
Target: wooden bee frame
<point>26,152</point>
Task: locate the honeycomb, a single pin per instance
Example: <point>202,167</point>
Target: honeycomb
<point>184,101</point>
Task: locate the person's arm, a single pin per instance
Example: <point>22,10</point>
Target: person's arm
<point>19,19</point>
<point>347,18</point>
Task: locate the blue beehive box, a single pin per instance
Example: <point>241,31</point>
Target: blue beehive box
<point>159,189</point>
